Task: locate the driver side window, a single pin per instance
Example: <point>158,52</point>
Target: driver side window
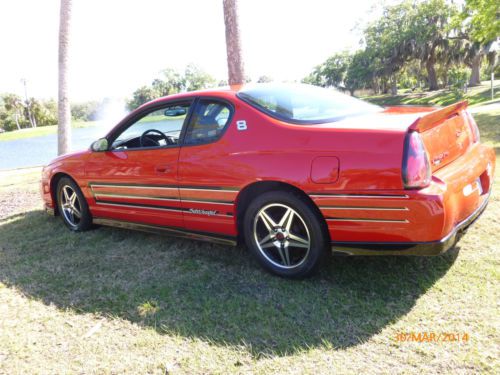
<point>159,128</point>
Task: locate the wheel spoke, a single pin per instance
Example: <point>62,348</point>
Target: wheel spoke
<point>298,243</point>
<point>286,220</point>
<point>268,222</point>
<point>66,194</point>
<point>285,256</point>
<point>298,239</point>
<point>73,199</point>
<point>266,239</point>
<point>77,213</point>
<point>268,245</point>
<point>71,217</point>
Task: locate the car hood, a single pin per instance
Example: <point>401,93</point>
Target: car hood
<point>70,156</point>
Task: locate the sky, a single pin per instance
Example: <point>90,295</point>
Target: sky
<point>118,46</point>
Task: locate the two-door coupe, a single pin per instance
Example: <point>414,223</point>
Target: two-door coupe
<point>293,171</point>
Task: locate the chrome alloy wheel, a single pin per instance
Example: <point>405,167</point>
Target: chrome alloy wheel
<point>71,207</point>
<point>281,235</point>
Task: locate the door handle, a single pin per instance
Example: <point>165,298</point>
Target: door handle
<point>164,169</point>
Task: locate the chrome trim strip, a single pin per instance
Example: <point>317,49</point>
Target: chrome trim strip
<point>138,206</point>
<point>216,190</point>
<point>171,209</point>
<point>180,187</point>
<point>145,197</point>
<point>135,197</point>
<point>208,202</point>
<point>368,220</point>
<point>358,196</point>
<point>364,208</point>
<point>133,187</point>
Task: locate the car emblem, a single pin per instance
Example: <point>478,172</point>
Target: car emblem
<point>439,158</point>
<point>241,125</point>
<point>203,212</point>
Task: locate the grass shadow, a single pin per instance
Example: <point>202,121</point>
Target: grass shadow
<point>209,292</point>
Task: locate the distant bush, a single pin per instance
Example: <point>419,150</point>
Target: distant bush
<point>86,111</point>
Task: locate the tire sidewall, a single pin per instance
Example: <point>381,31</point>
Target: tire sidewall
<point>318,237</point>
<point>86,219</point>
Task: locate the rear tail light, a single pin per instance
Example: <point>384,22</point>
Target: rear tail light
<point>416,167</point>
<point>473,127</point>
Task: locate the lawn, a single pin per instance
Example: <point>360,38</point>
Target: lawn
<point>475,95</point>
<point>41,130</point>
<point>115,301</point>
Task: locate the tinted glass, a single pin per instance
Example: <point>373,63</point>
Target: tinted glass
<point>304,103</point>
<point>209,120</point>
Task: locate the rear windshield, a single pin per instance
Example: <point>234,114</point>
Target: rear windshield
<point>304,104</point>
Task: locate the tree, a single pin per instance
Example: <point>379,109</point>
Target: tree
<point>332,72</point>
<point>430,31</point>
<point>170,82</point>
<point>13,108</point>
<point>64,110</point>
<point>142,95</point>
<point>196,79</point>
<point>264,79</point>
<point>479,23</point>
<point>484,19</point>
<point>236,71</point>
<point>360,72</point>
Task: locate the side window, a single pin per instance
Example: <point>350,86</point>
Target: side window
<point>208,122</point>
<point>158,128</point>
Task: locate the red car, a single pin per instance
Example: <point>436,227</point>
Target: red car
<point>293,171</point>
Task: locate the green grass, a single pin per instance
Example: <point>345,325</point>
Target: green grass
<point>115,301</point>
<point>475,95</point>
<point>41,130</point>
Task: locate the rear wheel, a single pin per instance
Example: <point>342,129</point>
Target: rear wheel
<point>72,205</point>
<point>285,234</point>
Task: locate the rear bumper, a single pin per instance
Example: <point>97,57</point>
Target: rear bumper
<point>411,248</point>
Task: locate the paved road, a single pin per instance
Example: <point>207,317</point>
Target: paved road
<point>35,151</point>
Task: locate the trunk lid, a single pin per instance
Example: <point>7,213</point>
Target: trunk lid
<point>446,134</point>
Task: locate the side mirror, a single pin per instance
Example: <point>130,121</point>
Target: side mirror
<point>100,145</point>
<point>175,111</point>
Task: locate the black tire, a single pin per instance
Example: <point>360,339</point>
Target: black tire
<point>79,224</point>
<point>281,256</point>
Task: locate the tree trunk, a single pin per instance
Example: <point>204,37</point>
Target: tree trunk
<point>16,116</point>
<point>432,77</point>
<point>475,76</point>
<point>64,112</point>
<point>394,86</point>
<point>235,68</point>
<point>445,76</point>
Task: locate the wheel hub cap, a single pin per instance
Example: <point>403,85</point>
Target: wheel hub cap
<point>281,235</point>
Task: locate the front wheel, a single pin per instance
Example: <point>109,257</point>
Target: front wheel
<point>285,234</point>
<point>72,205</point>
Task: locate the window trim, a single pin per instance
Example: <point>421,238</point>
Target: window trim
<point>127,122</point>
<point>230,106</point>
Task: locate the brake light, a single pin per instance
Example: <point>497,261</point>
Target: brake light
<point>473,127</point>
<point>416,170</point>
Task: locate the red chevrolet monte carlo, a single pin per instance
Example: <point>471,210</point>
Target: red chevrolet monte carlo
<point>294,171</point>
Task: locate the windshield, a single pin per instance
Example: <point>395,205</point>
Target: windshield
<point>304,104</point>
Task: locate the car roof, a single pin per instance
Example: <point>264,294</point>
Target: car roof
<point>219,91</point>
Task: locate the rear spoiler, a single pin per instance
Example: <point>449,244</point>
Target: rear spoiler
<point>434,118</point>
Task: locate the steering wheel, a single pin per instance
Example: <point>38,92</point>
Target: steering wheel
<point>144,139</point>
